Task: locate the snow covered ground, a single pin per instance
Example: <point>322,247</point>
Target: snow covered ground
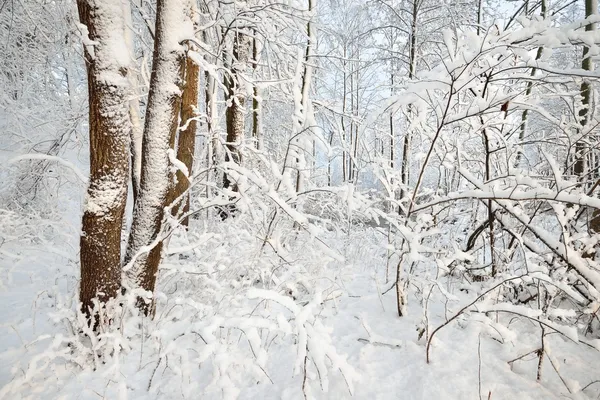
<point>223,328</point>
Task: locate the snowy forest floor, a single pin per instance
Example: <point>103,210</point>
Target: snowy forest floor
<point>204,294</point>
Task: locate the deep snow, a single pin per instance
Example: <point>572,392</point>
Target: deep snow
<point>38,268</point>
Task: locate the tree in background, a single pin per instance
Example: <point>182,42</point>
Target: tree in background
<point>235,98</point>
<point>186,138</point>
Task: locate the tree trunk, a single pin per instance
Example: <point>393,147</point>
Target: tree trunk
<point>591,8</point>
<point>345,175</point>
<point>186,141</point>
<point>235,120</point>
<point>351,135</point>
<point>256,104</point>
<point>304,101</point>
<point>579,167</point>
<point>137,129</point>
<point>355,115</point>
<point>164,102</point>
<point>210,105</point>
<point>110,130</point>
<point>392,133</point>
<point>525,113</point>
<point>405,166</point>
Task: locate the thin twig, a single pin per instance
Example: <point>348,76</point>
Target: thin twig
<point>463,309</point>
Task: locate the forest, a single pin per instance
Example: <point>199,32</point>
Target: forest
<point>299,199</point>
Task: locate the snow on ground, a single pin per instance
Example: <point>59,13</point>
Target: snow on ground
<point>212,338</point>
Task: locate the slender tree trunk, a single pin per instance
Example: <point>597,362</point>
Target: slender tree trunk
<point>137,134</point>
<point>579,168</point>
<point>392,133</point>
<point>234,116</point>
<point>491,219</point>
<point>329,159</point>
<point>405,166</point>
<point>585,114</point>
<point>479,16</point>
<point>256,104</point>
<point>210,98</point>
<point>304,102</point>
<point>110,130</point>
<point>164,102</point>
<point>345,94</point>
<point>137,130</point>
<point>525,113</point>
<point>350,158</point>
<point>211,110</point>
<point>355,115</point>
<point>186,141</point>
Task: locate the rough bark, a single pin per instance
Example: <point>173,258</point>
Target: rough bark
<point>109,129</point>
<point>186,141</point>
<point>579,167</point>
<point>234,117</point>
<point>164,102</point>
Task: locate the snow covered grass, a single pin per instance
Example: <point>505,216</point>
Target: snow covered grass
<point>240,318</point>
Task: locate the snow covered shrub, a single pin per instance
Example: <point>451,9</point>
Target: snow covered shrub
<point>230,293</point>
<point>519,240</point>
<point>41,107</point>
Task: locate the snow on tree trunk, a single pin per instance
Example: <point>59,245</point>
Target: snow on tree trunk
<point>580,167</point>
<point>405,165</point>
<point>257,134</point>
<point>136,146</point>
<point>107,62</point>
<point>164,100</point>
<point>585,114</point>
<point>211,126</point>
<point>134,105</point>
<point>186,141</point>
<point>235,117</point>
<point>304,117</point>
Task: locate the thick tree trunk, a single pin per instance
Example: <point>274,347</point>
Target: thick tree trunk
<point>110,130</point>
<point>164,102</point>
